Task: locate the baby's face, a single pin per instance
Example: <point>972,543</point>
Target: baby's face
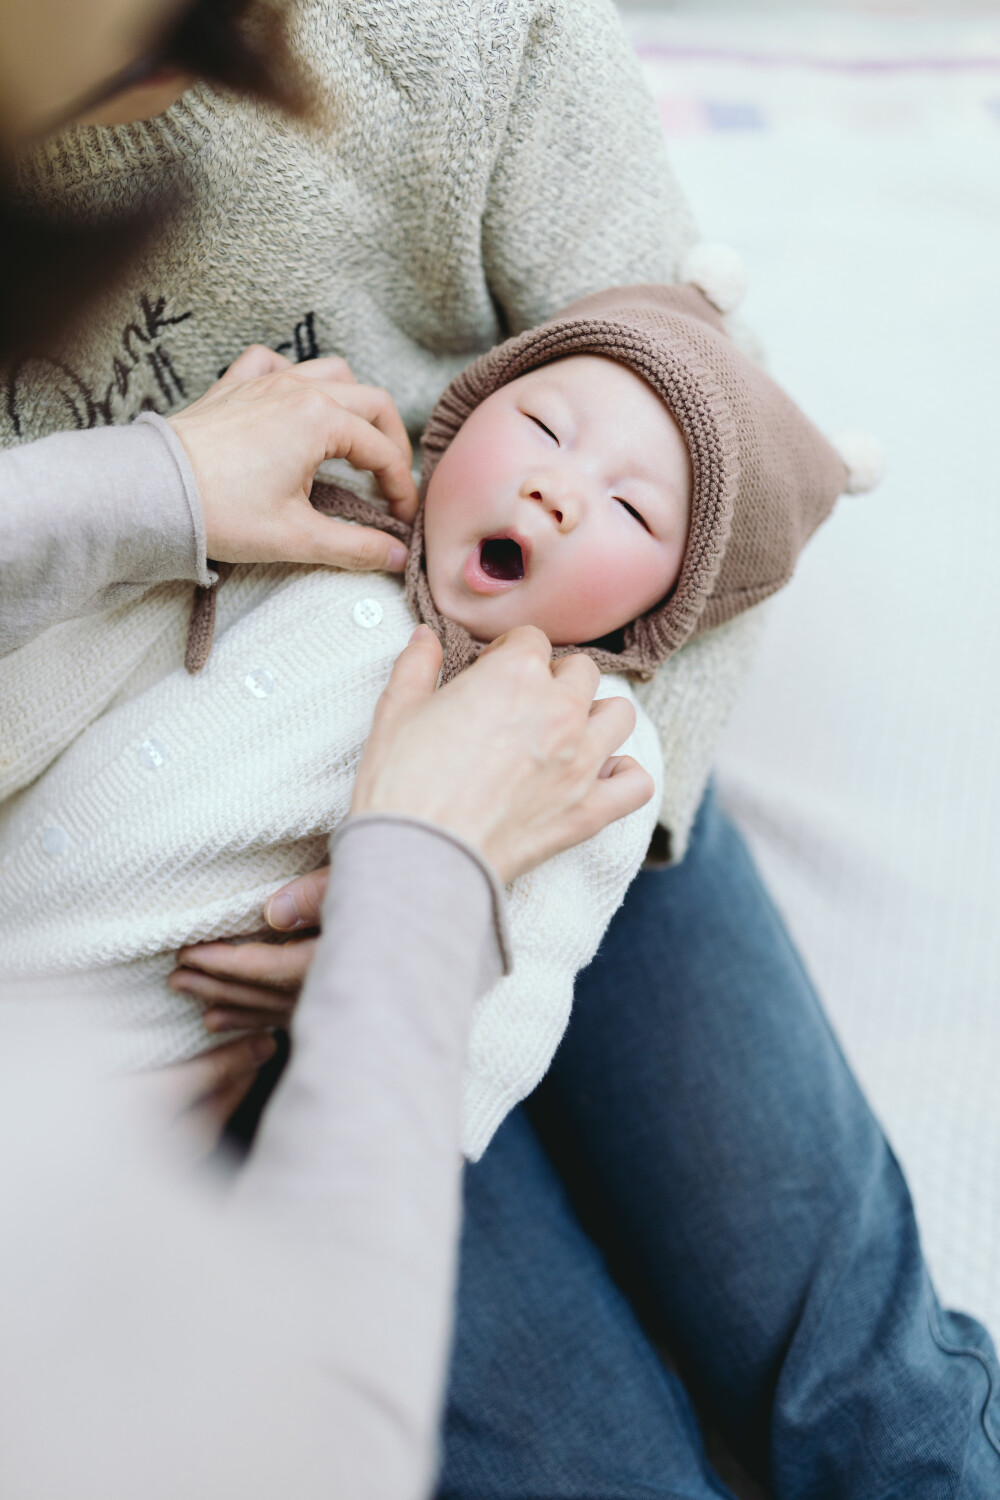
<point>563,502</point>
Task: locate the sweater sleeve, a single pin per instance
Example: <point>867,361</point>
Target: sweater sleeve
<point>582,195</point>
<point>287,1337</point>
<point>359,1153</point>
<point>90,520</point>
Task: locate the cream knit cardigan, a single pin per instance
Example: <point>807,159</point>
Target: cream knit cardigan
<point>177,812</point>
<point>485,163</point>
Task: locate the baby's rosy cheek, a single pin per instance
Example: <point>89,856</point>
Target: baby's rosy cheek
<point>579,601</point>
<point>605,589</point>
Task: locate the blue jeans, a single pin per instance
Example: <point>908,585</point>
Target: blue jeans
<point>700,1169</point>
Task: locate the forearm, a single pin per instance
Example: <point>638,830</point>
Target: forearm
<point>358,1154</point>
<point>91,519</point>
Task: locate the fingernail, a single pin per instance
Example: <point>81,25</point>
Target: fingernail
<point>263,1047</point>
<point>281,912</point>
<point>419,632</point>
<point>397,559</point>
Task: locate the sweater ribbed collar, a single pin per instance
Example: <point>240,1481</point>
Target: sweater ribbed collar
<point>86,157</point>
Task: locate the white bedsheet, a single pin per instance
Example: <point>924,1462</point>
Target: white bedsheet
<point>855,162</point>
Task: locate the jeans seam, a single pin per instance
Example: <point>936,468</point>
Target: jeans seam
<point>968,1352</point>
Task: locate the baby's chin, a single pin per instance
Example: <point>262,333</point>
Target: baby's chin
<point>481,629</point>
<point>486,626</point>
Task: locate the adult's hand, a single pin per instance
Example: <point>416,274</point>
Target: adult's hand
<point>254,985</point>
<point>514,755</point>
<point>255,440</point>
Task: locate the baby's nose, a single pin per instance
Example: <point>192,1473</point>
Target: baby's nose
<point>559,500</point>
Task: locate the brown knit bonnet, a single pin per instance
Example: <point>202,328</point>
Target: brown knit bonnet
<point>763,477</point>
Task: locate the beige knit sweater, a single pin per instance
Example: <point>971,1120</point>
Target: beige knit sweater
<point>489,161</point>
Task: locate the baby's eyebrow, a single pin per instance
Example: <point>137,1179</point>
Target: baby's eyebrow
<point>659,497</point>
<point>651,475</point>
<point>550,386</point>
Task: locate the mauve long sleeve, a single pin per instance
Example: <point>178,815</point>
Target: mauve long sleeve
<point>91,519</point>
<point>360,1148</point>
<point>290,1339</point>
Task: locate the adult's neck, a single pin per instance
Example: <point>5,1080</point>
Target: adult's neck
<point>144,102</point>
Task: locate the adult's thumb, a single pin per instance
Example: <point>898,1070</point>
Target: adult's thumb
<point>340,544</point>
<point>299,903</point>
<point>414,674</point>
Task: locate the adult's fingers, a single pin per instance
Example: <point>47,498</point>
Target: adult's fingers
<point>330,367</point>
<point>254,361</point>
<point>413,678</point>
<point>609,724</point>
<point>622,787</point>
<point>273,966</point>
<point>365,447</point>
<point>299,903</point>
<point>222,1068</point>
<point>258,359</point>
<point>579,674</point>
<point>212,990</point>
<point>207,1120</point>
<point>526,640</point>
<point>372,403</point>
<point>219,1019</point>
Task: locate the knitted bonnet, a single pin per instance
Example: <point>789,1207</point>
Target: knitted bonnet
<point>763,477</point>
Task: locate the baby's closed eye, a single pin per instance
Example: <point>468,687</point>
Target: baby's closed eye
<point>632,512</point>
<point>539,423</point>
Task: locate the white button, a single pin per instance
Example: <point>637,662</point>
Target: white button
<point>55,841</point>
<point>259,682</point>
<point>152,753</point>
<point>367,612</point>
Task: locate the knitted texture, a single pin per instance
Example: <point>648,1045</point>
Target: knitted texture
<point>190,799</point>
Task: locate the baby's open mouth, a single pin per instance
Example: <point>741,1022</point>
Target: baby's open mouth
<point>500,557</point>
<point>497,564</point>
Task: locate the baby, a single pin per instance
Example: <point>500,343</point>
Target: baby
<point>621,477</point>
<point>563,502</point>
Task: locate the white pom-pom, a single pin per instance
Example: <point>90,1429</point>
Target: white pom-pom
<point>864,460</point>
<point>717,271</point>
